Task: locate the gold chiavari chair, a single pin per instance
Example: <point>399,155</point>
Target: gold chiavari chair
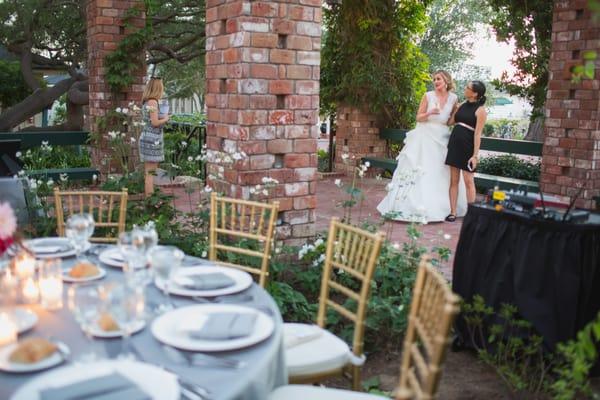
<point>353,252</point>
<point>234,220</point>
<point>433,309</point>
<point>108,208</point>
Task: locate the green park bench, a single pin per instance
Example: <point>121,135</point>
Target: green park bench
<point>28,140</point>
<point>482,181</point>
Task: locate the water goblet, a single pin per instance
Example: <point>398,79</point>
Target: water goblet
<point>165,262</point>
<point>84,303</point>
<point>79,228</point>
<point>127,305</point>
<point>131,245</point>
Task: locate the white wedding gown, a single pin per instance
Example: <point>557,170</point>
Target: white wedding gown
<point>419,188</point>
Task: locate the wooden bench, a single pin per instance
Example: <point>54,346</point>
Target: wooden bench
<point>482,181</point>
<point>33,139</point>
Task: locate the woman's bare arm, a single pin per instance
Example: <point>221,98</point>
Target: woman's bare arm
<point>156,122</point>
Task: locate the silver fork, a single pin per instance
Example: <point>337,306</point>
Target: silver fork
<point>198,359</point>
<point>196,390</point>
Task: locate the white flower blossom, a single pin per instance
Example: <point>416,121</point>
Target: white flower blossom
<point>318,242</point>
<point>447,236</point>
<point>183,143</point>
<point>50,182</point>
<point>125,110</point>
<point>64,177</point>
<point>113,134</point>
<point>156,142</point>
<point>132,140</point>
<point>345,156</point>
<point>190,158</point>
<point>18,154</point>
<point>207,189</point>
<point>203,255</point>
<point>338,182</point>
<point>265,192</point>
<point>94,177</point>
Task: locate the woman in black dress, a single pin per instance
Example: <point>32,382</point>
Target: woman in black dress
<point>465,139</point>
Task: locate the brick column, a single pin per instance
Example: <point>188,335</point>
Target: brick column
<point>358,136</point>
<point>105,28</point>
<point>571,153</point>
<point>262,67</point>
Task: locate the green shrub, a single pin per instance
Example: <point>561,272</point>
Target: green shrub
<point>323,165</point>
<point>510,166</point>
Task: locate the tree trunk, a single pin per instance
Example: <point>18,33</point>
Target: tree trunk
<point>536,130</point>
<point>33,104</point>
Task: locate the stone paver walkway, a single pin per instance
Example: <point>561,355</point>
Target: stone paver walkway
<point>329,196</point>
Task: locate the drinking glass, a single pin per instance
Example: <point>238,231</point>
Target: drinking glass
<point>84,303</point>
<point>165,262</point>
<point>79,228</point>
<point>132,247</point>
<point>127,306</point>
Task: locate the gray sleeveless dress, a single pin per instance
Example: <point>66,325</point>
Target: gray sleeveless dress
<point>151,143</point>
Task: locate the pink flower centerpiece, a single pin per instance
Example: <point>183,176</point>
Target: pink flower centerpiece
<point>8,226</point>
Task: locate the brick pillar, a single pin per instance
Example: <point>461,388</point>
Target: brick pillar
<point>105,28</point>
<point>262,67</point>
<point>571,153</point>
<point>358,136</point>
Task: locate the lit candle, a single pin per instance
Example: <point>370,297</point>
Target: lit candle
<point>51,290</point>
<point>8,330</point>
<point>30,291</point>
<point>50,283</point>
<point>24,265</point>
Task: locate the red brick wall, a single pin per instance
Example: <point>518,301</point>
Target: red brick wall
<point>262,69</point>
<point>105,28</point>
<point>358,136</point>
<point>571,153</point>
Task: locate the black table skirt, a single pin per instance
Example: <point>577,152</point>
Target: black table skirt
<point>549,270</point>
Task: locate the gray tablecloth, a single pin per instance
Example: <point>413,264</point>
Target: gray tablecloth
<point>264,371</point>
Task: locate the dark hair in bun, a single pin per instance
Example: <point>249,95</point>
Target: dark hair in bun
<point>479,88</point>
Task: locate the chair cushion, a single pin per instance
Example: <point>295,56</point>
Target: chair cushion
<point>306,392</point>
<point>324,353</point>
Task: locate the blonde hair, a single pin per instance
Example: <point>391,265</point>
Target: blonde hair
<point>154,89</point>
<point>447,78</point>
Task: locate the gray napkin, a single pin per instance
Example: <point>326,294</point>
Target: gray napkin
<point>113,386</point>
<point>224,326</point>
<point>213,280</point>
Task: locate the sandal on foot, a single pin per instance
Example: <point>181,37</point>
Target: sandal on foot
<point>451,218</point>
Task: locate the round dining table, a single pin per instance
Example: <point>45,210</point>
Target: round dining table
<point>263,369</point>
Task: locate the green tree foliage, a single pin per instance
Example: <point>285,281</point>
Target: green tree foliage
<point>529,25</point>
<point>451,32</point>
<point>369,58</point>
<point>12,85</point>
<point>174,31</point>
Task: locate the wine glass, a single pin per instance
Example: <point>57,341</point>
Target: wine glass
<point>126,305</point>
<point>84,303</point>
<point>165,262</point>
<point>79,228</point>
<point>132,247</point>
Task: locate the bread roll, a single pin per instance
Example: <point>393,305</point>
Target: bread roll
<point>32,350</point>
<point>107,323</point>
<point>84,270</point>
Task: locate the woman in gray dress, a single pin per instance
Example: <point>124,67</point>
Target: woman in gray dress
<point>151,142</point>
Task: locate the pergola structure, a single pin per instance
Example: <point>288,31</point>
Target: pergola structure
<point>263,67</point>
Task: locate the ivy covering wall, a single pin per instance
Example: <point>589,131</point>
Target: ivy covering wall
<point>370,59</point>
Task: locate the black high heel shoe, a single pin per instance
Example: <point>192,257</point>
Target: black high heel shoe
<point>451,218</point>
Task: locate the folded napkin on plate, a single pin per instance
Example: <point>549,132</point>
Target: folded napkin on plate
<point>297,334</point>
<point>113,386</point>
<point>224,326</point>
<point>210,281</point>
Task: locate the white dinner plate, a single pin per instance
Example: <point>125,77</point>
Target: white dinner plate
<point>242,279</point>
<point>68,278</point>
<point>170,328</point>
<point>23,317</point>
<point>96,331</point>
<point>63,246</point>
<point>113,257</point>
<point>7,366</point>
<point>156,382</point>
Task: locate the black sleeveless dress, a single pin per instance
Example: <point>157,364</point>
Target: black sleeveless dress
<point>462,140</point>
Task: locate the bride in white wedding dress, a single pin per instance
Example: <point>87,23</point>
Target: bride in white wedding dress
<point>419,188</point>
